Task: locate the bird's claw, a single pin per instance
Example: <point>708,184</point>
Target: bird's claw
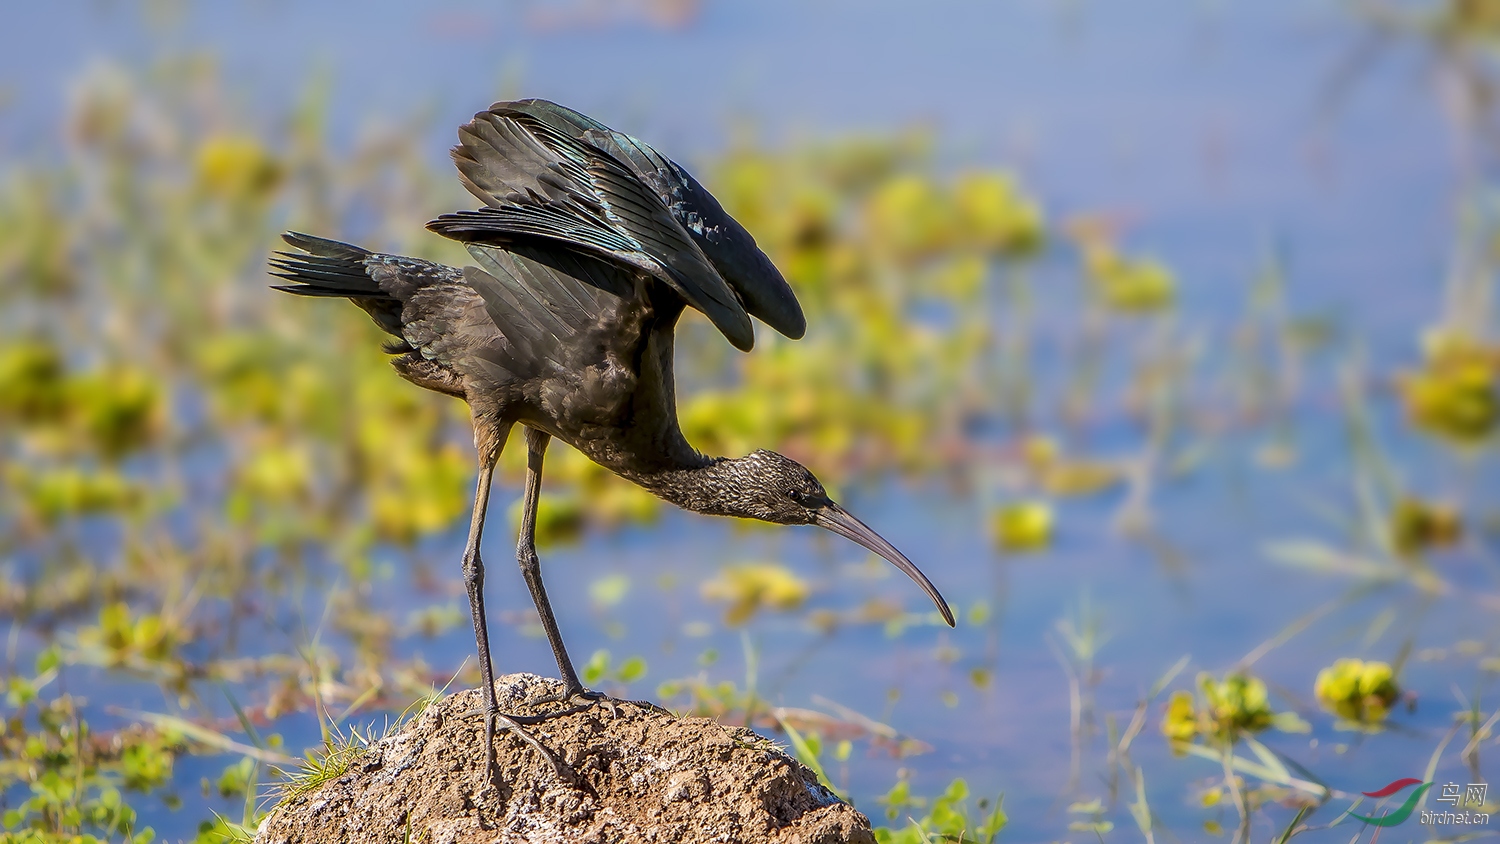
<point>514,724</point>
<point>574,701</point>
<point>580,699</point>
<point>577,700</point>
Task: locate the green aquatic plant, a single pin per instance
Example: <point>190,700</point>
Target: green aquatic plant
<point>108,411</point>
<point>64,783</point>
<point>237,168</point>
<point>50,495</point>
<point>600,668</point>
<point>1418,526</point>
<point>1360,693</point>
<point>1124,284</point>
<point>1022,526</point>
<point>31,379</point>
<point>948,817</point>
<point>1455,395</point>
<point>124,638</point>
<point>1222,711</point>
<point>751,587</point>
<point>1059,473</point>
<point>1091,818</point>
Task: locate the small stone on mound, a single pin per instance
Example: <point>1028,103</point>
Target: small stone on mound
<point>639,775</point>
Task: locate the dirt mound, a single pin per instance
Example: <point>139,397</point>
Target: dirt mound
<point>641,775</point>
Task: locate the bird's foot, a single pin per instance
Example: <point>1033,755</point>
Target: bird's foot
<point>580,698</point>
<point>576,700</point>
<point>514,724</point>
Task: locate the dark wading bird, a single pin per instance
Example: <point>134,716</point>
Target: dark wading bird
<point>589,245</point>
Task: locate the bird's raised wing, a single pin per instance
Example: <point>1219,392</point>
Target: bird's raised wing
<point>731,248</point>
<point>540,183</point>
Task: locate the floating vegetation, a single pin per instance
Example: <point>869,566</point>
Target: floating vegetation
<point>1456,394</point>
<point>1022,526</point>
<point>52,495</point>
<point>1124,284</point>
<point>1360,693</point>
<point>1221,713</point>
<point>1418,526</point>
<point>78,783</point>
<point>751,587</point>
<point>947,817</point>
<point>237,168</point>
<point>1063,475</point>
<point>110,411</point>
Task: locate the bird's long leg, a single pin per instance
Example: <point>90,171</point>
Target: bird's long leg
<point>531,567</point>
<point>474,583</point>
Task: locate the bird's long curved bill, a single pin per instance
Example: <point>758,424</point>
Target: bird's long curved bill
<point>838,520</point>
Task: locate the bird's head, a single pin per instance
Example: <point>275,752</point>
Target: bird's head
<point>774,488</point>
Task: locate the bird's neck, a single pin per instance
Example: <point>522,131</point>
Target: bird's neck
<point>702,484</point>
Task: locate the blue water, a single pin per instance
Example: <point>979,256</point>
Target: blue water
<point>1208,127</point>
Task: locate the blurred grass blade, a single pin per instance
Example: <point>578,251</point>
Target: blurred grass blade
<point>804,753</point>
<point>1254,769</point>
<point>1166,679</point>
<point>206,736</point>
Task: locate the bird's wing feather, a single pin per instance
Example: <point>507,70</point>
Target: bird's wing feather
<point>553,114</point>
<point>726,243</point>
<point>550,221</point>
<point>503,160</point>
<point>445,323</point>
<point>541,182</point>
<point>557,310</point>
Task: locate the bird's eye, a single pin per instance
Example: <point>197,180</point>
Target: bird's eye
<point>798,496</point>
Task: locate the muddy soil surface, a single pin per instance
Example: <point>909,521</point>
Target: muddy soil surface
<point>640,774</point>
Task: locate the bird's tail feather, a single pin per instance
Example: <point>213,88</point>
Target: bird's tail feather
<point>325,268</point>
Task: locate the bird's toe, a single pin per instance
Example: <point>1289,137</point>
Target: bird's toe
<point>516,725</point>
